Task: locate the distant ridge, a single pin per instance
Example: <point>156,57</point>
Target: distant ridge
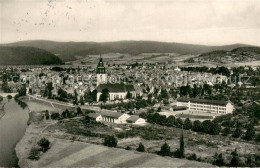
<point>26,56</point>
<point>68,50</point>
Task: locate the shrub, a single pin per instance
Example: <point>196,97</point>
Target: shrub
<point>1,98</point>
<point>187,124</point>
<point>219,161</point>
<point>226,131</point>
<point>140,148</point>
<point>192,157</point>
<point>197,126</point>
<point>44,144</point>
<point>9,97</point>
<point>55,116</point>
<point>165,150</point>
<point>250,133</point>
<point>34,154</point>
<point>128,148</point>
<point>110,141</point>
<point>238,132</point>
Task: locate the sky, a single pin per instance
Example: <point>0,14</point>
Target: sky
<point>208,22</point>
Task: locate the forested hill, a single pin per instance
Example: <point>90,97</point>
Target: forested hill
<point>68,50</point>
<point>238,54</point>
<point>26,56</point>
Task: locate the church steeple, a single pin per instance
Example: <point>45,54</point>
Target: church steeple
<point>101,72</point>
<point>100,67</point>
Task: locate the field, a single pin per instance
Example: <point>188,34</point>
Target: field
<point>78,154</point>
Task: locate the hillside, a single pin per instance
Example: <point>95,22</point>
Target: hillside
<point>26,56</point>
<point>241,54</point>
<point>68,50</point>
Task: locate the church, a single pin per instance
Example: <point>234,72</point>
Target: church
<point>117,91</point>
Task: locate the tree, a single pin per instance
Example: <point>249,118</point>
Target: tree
<point>34,154</point>
<point>235,161</point>
<point>187,124</point>
<point>197,126</point>
<point>238,132</point>
<point>181,145</point>
<point>170,121</point>
<point>55,116</point>
<point>22,91</point>
<point>165,150</point>
<point>258,137</point>
<point>250,133</point>
<point>44,144</point>
<point>128,95</point>
<point>140,148</point>
<point>110,141</point>
<point>47,115</point>
<point>179,123</point>
<point>9,97</point>
<point>104,95</point>
<point>219,161</point>
<point>79,111</point>
<point>226,131</point>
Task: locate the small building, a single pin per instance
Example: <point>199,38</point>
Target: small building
<point>135,120</point>
<point>114,117</point>
<point>204,105</point>
<point>95,116</point>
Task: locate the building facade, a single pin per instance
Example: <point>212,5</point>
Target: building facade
<point>203,105</point>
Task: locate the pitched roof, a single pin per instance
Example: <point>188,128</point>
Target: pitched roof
<point>117,87</point>
<point>206,101</point>
<point>133,118</point>
<point>111,114</point>
<point>93,115</point>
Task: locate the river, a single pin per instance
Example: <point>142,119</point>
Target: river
<point>12,129</point>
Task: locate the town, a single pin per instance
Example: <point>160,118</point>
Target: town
<point>131,99</point>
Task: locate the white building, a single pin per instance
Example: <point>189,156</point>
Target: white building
<point>95,116</point>
<point>114,117</point>
<point>136,120</point>
<point>203,105</point>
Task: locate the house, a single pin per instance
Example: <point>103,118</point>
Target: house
<point>135,120</point>
<point>95,116</point>
<point>204,105</point>
<point>114,117</point>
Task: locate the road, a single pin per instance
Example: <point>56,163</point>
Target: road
<point>94,108</point>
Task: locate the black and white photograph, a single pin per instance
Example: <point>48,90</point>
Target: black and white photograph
<point>129,83</point>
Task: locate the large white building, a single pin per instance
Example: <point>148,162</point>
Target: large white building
<point>117,91</point>
<point>203,105</point>
<point>114,117</point>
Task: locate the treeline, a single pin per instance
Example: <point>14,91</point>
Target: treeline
<point>206,126</point>
<point>218,70</point>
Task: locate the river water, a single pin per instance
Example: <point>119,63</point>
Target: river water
<point>12,129</point>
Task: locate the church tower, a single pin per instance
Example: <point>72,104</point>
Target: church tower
<point>101,72</point>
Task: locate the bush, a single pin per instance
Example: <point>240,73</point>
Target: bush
<point>1,98</point>
<point>128,148</point>
<point>250,133</point>
<point>44,144</point>
<point>219,161</point>
<point>165,150</point>
<point>140,148</point>
<point>257,138</point>
<point>34,154</point>
<point>110,141</point>
<point>226,131</point>
<point>9,97</point>
<point>192,157</point>
<point>197,126</point>
<point>55,116</point>
<point>238,132</point>
<point>187,124</point>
